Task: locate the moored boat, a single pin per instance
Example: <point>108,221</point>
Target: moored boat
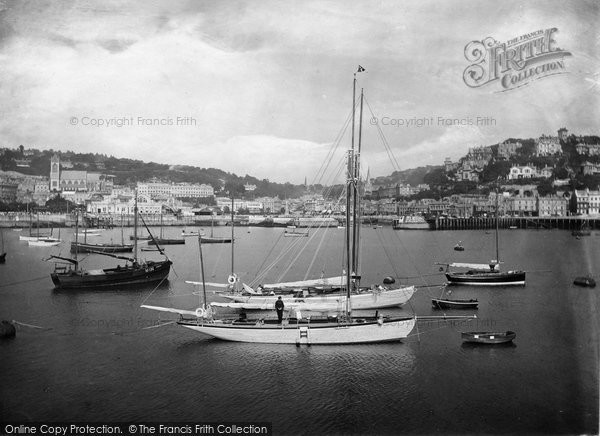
<point>489,274</point>
<point>447,303</point>
<point>585,281</point>
<point>488,337</point>
<point>341,329</point>
<point>69,275</point>
<point>82,247</point>
<point>483,275</point>
<point>411,222</point>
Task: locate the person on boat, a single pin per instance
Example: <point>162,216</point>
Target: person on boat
<point>279,308</point>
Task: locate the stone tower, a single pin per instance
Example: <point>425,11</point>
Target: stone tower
<point>562,134</point>
<point>55,173</point>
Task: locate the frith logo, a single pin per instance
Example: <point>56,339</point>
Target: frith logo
<point>515,63</point>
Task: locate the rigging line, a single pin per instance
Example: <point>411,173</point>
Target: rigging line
<point>268,254</point>
<point>323,169</point>
<point>315,254</point>
<point>221,250</point>
<point>157,286</point>
<point>409,257</point>
<point>387,254</point>
<point>293,262</point>
<point>24,281</point>
<point>275,261</point>
<point>384,139</point>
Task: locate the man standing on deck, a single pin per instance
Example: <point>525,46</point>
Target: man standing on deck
<point>279,308</point>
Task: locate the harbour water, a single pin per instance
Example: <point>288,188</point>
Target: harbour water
<point>96,359</point>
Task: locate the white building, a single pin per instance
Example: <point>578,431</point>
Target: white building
<point>547,146</point>
<point>522,172</point>
<point>552,205</point>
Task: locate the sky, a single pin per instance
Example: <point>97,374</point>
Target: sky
<point>265,87</point>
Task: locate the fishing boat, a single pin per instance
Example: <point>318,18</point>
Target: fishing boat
<point>487,274</point>
<point>459,247</point>
<point>488,337</point>
<point>343,328</point>
<point>212,239</point>
<point>69,275</point>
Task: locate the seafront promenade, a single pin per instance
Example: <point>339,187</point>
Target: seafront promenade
<point>22,220</point>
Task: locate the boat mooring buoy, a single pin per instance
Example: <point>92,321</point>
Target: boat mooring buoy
<point>7,329</point>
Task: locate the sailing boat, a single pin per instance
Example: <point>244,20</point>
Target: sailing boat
<point>2,252</point>
<point>340,329</point>
<point>216,239</point>
<point>85,247</point>
<point>167,241</point>
<point>31,236</point>
<point>44,241</point>
<point>68,275</point>
<point>484,274</point>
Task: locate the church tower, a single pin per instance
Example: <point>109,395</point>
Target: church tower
<point>54,173</point>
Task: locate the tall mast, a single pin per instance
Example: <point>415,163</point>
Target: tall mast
<point>135,224</point>
<point>232,239</point>
<point>76,233</point>
<point>497,249</point>
<point>356,194</point>
<point>202,268</point>
<point>348,232</point>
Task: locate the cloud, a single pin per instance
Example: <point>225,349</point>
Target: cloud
<point>269,83</point>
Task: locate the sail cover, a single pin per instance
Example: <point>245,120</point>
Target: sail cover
<point>324,281</point>
<point>487,266</point>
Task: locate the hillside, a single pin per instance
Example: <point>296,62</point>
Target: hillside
<point>130,171</point>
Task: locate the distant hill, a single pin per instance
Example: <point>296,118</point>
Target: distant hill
<point>413,176</point>
<point>130,171</point>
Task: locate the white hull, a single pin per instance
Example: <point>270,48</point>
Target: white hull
<point>43,243</point>
<point>366,300</point>
<point>31,238</point>
<point>313,334</point>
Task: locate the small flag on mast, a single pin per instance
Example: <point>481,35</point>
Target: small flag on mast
<point>360,69</point>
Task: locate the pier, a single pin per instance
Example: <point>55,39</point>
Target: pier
<point>538,223</point>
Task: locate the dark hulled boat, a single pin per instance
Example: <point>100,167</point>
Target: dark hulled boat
<point>446,303</point>
<point>488,337</point>
<point>68,274</point>
<point>485,274</point>
<point>82,247</point>
<point>168,241</point>
<point>215,240</point>
<point>477,275</point>
<point>131,274</point>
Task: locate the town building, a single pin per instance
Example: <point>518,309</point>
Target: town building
<point>552,205</point>
<point>547,146</point>
<point>588,202</point>
<point>587,149</point>
<point>508,148</point>
<point>522,172</point>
